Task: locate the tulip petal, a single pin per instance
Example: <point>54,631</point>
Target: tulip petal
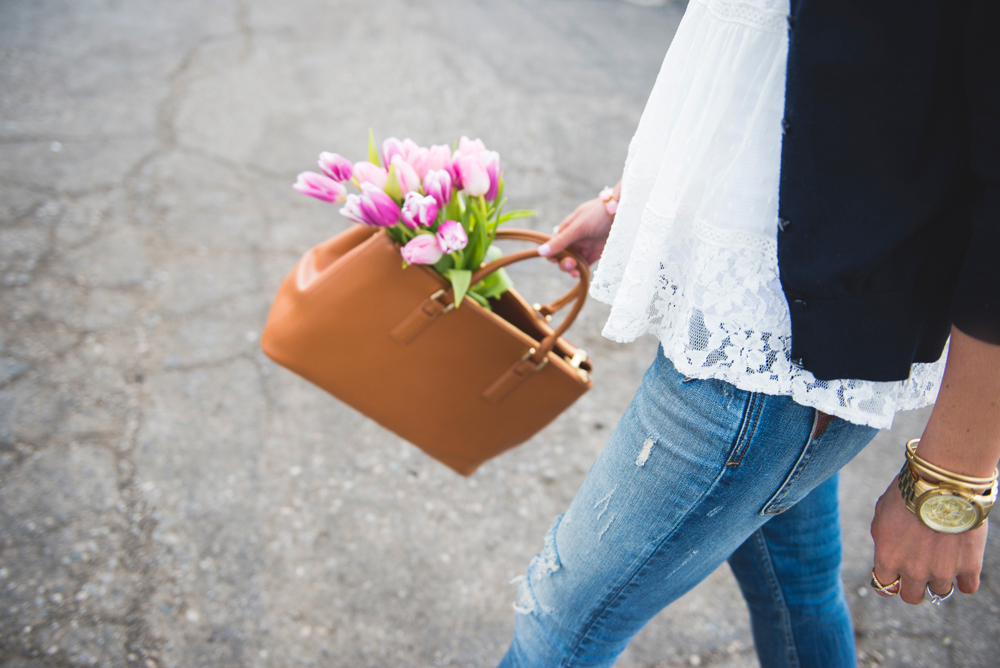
<point>320,186</point>
<point>422,249</point>
<point>337,167</point>
<point>451,236</point>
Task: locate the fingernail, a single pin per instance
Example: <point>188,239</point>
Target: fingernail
<point>568,263</point>
<point>544,250</point>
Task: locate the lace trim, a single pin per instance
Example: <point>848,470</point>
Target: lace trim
<point>770,20</point>
<point>734,238</point>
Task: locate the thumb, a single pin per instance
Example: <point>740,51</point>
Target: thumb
<point>557,242</point>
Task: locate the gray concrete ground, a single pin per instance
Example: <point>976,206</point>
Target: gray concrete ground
<point>169,497</point>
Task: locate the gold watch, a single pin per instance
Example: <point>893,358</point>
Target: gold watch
<point>943,507</point>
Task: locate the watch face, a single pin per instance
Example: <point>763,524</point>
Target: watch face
<point>948,513</point>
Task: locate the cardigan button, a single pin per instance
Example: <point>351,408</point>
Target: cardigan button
<point>791,22</point>
<point>786,126</point>
<point>800,305</point>
<point>798,363</point>
<point>783,224</point>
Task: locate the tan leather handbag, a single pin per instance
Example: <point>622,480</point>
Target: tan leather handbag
<point>463,384</point>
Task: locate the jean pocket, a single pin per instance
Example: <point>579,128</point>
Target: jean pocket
<point>784,499</point>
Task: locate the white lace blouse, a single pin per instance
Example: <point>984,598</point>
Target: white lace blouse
<point>693,255</point>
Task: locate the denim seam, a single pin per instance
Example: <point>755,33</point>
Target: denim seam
<point>812,430</point>
<point>800,467</point>
<point>748,425</point>
<point>778,597</point>
<point>638,569</point>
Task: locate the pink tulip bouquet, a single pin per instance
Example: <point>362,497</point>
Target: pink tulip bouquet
<point>441,204</point>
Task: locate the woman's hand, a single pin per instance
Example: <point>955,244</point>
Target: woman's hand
<point>962,436</point>
<point>921,557</point>
<point>586,230</point>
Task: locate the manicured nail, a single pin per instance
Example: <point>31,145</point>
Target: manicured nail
<point>568,263</point>
<point>544,250</point>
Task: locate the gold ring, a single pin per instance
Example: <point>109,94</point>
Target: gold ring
<point>935,599</point>
<point>888,589</point>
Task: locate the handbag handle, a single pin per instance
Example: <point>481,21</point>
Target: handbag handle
<point>579,292</point>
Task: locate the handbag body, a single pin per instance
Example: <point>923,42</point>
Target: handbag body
<point>463,384</point>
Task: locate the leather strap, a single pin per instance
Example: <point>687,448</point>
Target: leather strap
<point>557,305</point>
<point>420,318</point>
<point>510,379</point>
<point>580,293</point>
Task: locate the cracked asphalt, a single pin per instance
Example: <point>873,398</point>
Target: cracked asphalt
<point>168,496</point>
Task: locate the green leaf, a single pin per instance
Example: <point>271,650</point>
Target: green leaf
<point>460,283</point>
<point>494,285</point>
<point>453,210</point>
<point>476,250</point>
<point>372,153</point>
<point>392,188</point>
<point>493,253</point>
<point>444,265</point>
<point>479,299</point>
<point>396,234</point>
<point>514,215</point>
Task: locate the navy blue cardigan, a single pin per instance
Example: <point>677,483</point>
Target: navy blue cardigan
<point>890,182</point>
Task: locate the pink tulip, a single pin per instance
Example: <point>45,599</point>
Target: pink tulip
<point>416,155</point>
<point>391,147</point>
<point>475,178</point>
<point>366,172</point>
<point>451,236</point>
<point>422,249</point>
<point>352,210</point>
<point>337,167</point>
<point>420,161</point>
<point>468,146</point>
<point>492,162</point>
<point>437,184</point>
<point>439,157</point>
<point>409,148</point>
<point>419,210</point>
<point>371,207</point>
<point>406,175</point>
<point>320,187</point>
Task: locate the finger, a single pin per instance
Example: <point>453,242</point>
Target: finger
<point>567,264</point>
<point>882,574</point>
<point>940,587</point>
<point>912,591</point>
<point>968,583</point>
<point>557,242</point>
<point>559,238</point>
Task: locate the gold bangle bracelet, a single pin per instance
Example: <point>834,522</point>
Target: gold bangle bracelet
<point>937,475</point>
<point>915,470</point>
<point>914,458</point>
<point>932,476</point>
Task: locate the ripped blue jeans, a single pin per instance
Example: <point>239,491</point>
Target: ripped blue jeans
<point>695,473</point>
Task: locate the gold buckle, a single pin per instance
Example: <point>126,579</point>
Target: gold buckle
<point>540,365</point>
<point>579,357</point>
<point>439,293</point>
<point>538,312</point>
